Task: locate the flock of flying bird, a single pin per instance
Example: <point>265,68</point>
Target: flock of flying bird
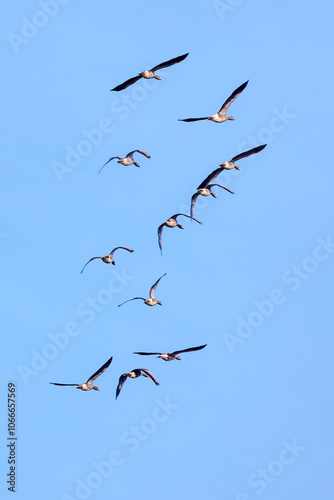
<point>204,189</point>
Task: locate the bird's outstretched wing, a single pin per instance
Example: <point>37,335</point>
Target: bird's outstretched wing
<point>221,186</point>
<point>121,381</point>
<point>160,228</point>
<point>153,287</point>
<point>147,353</point>
<point>185,215</point>
<point>54,383</point>
<point>90,260</point>
<point>210,178</point>
<point>124,248</point>
<point>149,374</point>
<point>165,64</point>
<point>189,349</point>
<point>192,205</point>
<point>99,371</point>
<point>232,97</point>
<point>113,158</point>
<point>130,155</point>
<point>126,84</point>
<point>135,298</point>
<point>193,119</point>
<point>248,153</point>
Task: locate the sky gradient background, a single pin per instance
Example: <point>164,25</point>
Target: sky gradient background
<point>251,415</point>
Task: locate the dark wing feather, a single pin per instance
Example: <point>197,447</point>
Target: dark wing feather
<point>210,178</point>
<point>123,248</point>
<point>90,260</point>
<point>130,155</point>
<point>165,64</point>
<point>126,84</point>
<point>185,215</point>
<point>248,153</point>
<point>135,298</point>
<point>194,119</point>
<point>192,205</point>
<point>232,97</point>
<point>113,158</point>
<point>147,353</point>
<point>153,287</point>
<point>99,371</point>
<point>189,349</point>
<point>160,228</point>
<point>121,381</point>
<point>220,185</point>
<point>54,383</point>
<point>150,375</point>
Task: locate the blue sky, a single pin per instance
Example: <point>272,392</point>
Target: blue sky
<point>250,415</point>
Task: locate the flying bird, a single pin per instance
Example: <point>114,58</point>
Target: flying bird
<point>229,165</point>
<point>150,73</point>
<point>152,301</point>
<point>205,191</point>
<point>128,160</point>
<point>87,386</point>
<point>169,356</point>
<point>107,259</point>
<point>171,222</point>
<point>134,374</point>
<point>221,115</point>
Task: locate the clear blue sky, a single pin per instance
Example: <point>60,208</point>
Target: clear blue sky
<point>251,415</point>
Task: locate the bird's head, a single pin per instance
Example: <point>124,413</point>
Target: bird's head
<point>178,357</point>
<point>136,164</point>
<point>230,118</point>
<point>179,225</point>
<point>113,262</point>
<point>236,166</point>
<point>159,303</point>
<point>213,194</point>
<point>95,388</point>
<point>157,77</point>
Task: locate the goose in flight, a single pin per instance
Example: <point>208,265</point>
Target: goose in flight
<point>169,356</point>
<point>87,386</point>
<point>171,222</point>
<point>150,73</point>
<point>205,190</point>
<point>221,115</point>
<point>134,374</point>
<point>152,301</point>
<point>107,259</point>
<point>128,160</point>
<point>229,165</point>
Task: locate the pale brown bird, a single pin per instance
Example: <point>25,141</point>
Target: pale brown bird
<point>152,301</point>
<point>134,374</point>
<point>171,222</point>
<point>128,160</point>
<point>170,356</point>
<point>87,386</point>
<point>107,259</point>
<point>221,115</point>
<point>150,73</point>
